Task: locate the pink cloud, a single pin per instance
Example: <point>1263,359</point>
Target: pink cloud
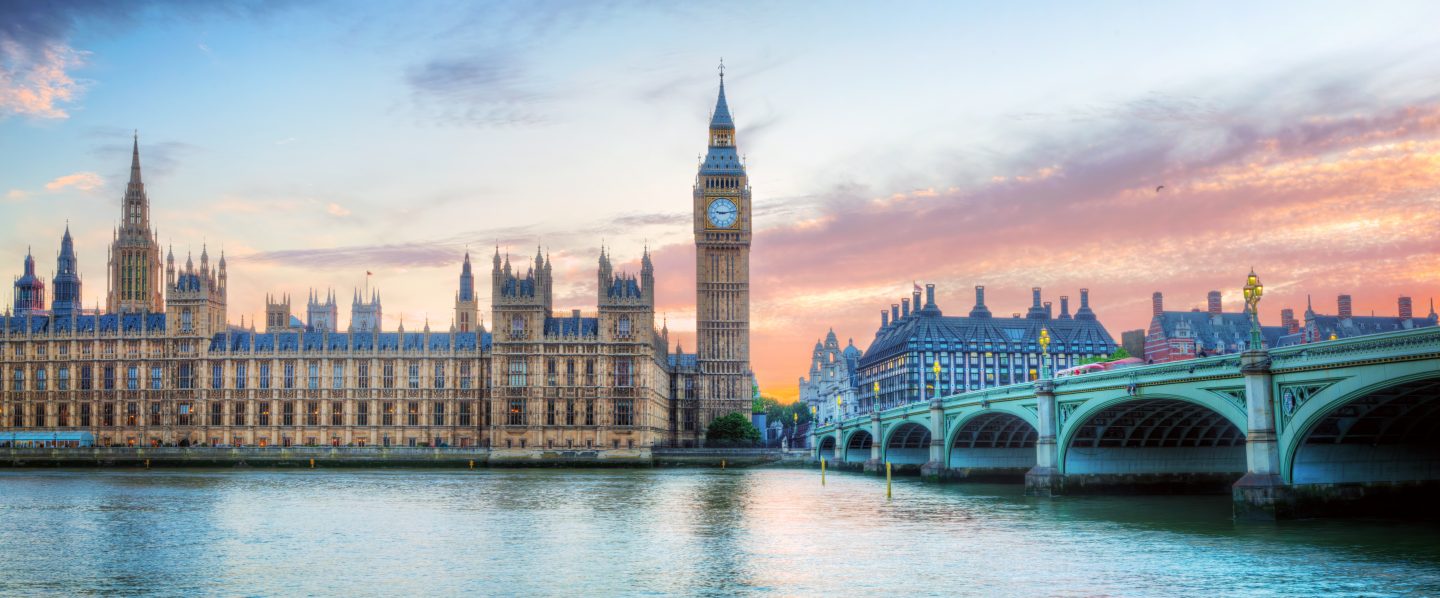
<point>35,83</point>
<point>84,181</point>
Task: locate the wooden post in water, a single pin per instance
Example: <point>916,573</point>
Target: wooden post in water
<point>147,464</point>
<point>312,464</point>
<point>722,464</point>
<point>822,471</point>
<point>887,480</point>
<point>472,464</point>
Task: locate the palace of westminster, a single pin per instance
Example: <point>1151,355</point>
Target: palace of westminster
<point>162,364</point>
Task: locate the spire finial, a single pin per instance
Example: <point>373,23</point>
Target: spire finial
<point>721,68</point>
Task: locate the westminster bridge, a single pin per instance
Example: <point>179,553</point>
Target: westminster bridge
<point>1327,427</point>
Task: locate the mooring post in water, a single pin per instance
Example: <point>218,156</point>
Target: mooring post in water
<point>147,464</point>
<point>472,464</point>
<point>822,471</point>
<point>312,464</point>
<point>887,480</point>
<point>722,464</point>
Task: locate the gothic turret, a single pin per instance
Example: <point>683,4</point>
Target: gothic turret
<point>467,307</point>
<point>29,290</point>
<point>134,273</point>
<point>66,286</point>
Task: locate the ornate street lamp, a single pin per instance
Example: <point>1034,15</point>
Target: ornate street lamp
<point>875,405</point>
<point>1044,354</point>
<point>937,378</point>
<point>839,402</point>
<point>1253,291</point>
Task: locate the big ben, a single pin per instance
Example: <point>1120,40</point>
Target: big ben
<point>722,271</point>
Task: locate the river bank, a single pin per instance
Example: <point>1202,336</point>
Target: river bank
<point>386,457</point>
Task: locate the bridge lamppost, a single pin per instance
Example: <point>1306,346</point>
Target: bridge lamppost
<point>839,404</point>
<point>875,404</point>
<point>1253,291</point>
<point>937,378</point>
<point>1044,354</point>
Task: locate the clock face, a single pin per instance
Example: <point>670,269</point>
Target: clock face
<point>722,213</point>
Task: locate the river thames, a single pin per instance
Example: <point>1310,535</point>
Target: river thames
<point>661,532</point>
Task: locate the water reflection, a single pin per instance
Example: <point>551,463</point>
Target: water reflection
<point>708,532</point>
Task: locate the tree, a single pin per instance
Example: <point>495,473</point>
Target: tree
<point>733,429</point>
<point>1120,353</point>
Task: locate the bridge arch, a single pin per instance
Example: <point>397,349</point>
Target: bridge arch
<point>992,443</point>
<point>857,445</point>
<point>907,443</point>
<point>827,445</point>
<point>1154,442</point>
<point>1383,435</point>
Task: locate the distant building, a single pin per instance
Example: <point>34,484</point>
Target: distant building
<point>974,352</point>
<point>1345,324</point>
<point>832,377</point>
<point>1178,335</point>
<point>1133,341</point>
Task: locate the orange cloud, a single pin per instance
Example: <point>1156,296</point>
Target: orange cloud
<point>84,181</point>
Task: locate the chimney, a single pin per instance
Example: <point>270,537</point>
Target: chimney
<point>1213,301</point>
<point>1037,311</point>
<point>894,312</point>
<point>884,318</point>
<point>1345,307</point>
<point>980,311</point>
<point>1157,304</point>
<point>1287,319</point>
<point>1406,310</point>
<point>904,308</point>
<point>929,295</point>
<point>915,302</point>
<point>1048,313</point>
<point>1064,307</point>
<point>1084,313</point>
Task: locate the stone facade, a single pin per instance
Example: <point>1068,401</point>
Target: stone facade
<point>830,389</point>
<point>153,371</point>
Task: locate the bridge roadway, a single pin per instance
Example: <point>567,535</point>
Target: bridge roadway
<point>1337,427</point>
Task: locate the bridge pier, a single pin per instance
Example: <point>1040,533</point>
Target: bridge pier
<point>875,464</point>
<point>1044,479</point>
<point>934,469</point>
<point>1262,494</point>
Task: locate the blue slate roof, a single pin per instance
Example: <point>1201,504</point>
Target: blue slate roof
<point>1361,325</point>
<point>242,341</point>
<point>624,288</point>
<point>722,160</point>
<point>985,334</point>
<point>684,360</point>
<point>1217,333</point>
<point>572,326</point>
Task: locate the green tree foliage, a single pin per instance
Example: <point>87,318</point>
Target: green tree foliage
<point>731,430</point>
<point>785,414</point>
<point>1120,353</point>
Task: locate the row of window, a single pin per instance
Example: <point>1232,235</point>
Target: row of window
<point>185,376</point>
<point>554,412</point>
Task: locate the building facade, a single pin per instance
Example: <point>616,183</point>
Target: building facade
<point>1179,335</point>
<point>722,270</point>
<point>830,388</point>
<point>973,352</point>
<point>164,366</point>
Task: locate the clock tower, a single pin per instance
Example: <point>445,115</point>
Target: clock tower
<point>722,272</point>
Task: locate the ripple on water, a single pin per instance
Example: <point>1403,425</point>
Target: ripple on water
<point>661,532</point>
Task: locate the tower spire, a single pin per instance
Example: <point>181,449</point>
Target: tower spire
<point>135,159</point>
<point>721,118</point>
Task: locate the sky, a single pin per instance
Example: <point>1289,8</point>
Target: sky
<point>1123,147</point>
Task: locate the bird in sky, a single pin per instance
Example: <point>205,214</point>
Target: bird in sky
<point>1157,189</point>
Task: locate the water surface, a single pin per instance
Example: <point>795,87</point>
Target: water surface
<point>661,532</point>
